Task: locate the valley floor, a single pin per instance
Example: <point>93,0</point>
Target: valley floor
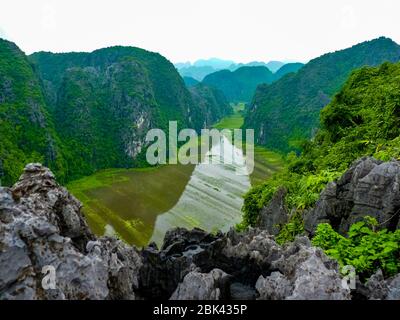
<point>139,205</point>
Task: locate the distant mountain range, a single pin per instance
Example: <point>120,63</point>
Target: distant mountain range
<point>201,68</point>
<point>239,85</point>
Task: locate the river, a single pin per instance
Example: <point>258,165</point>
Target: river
<point>140,205</point>
<point>213,198</point>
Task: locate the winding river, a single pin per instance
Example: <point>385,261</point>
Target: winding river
<point>213,198</point>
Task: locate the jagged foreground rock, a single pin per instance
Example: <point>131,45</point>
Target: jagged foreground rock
<point>370,187</point>
<point>42,225</point>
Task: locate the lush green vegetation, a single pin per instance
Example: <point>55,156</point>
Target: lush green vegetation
<point>286,112</point>
<point>233,121</point>
<point>101,102</point>
<point>108,99</point>
<point>291,229</point>
<point>168,87</point>
<point>302,191</point>
<point>363,119</point>
<point>164,85</point>
<point>82,112</point>
<point>27,132</point>
<point>120,197</point>
<point>266,164</point>
<point>98,120</point>
<point>365,248</point>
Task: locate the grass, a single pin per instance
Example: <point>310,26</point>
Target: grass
<point>130,200</point>
<point>234,121</point>
<point>266,163</point>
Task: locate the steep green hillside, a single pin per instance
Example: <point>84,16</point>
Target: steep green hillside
<point>239,85</point>
<point>287,111</point>
<point>81,112</point>
<point>26,130</point>
<point>172,98</point>
<point>362,119</point>
<point>211,103</point>
<point>103,116</point>
<point>104,102</point>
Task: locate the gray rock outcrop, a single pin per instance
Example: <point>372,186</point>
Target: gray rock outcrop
<point>370,187</point>
<point>43,235</point>
<point>274,213</point>
<point>378,288</point>
<point>202,286</point>
<point>304,273</point>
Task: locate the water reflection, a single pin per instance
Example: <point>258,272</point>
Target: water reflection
<point>212,199</point>
<point>141,205</point>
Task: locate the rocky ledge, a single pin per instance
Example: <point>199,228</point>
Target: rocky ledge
<point>42,227</point>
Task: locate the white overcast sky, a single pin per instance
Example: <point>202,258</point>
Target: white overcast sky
<point>186,30</point>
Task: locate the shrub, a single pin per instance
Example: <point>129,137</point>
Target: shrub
<point>364,248</point>
<point>290,230</point>
<point>302,193</point>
